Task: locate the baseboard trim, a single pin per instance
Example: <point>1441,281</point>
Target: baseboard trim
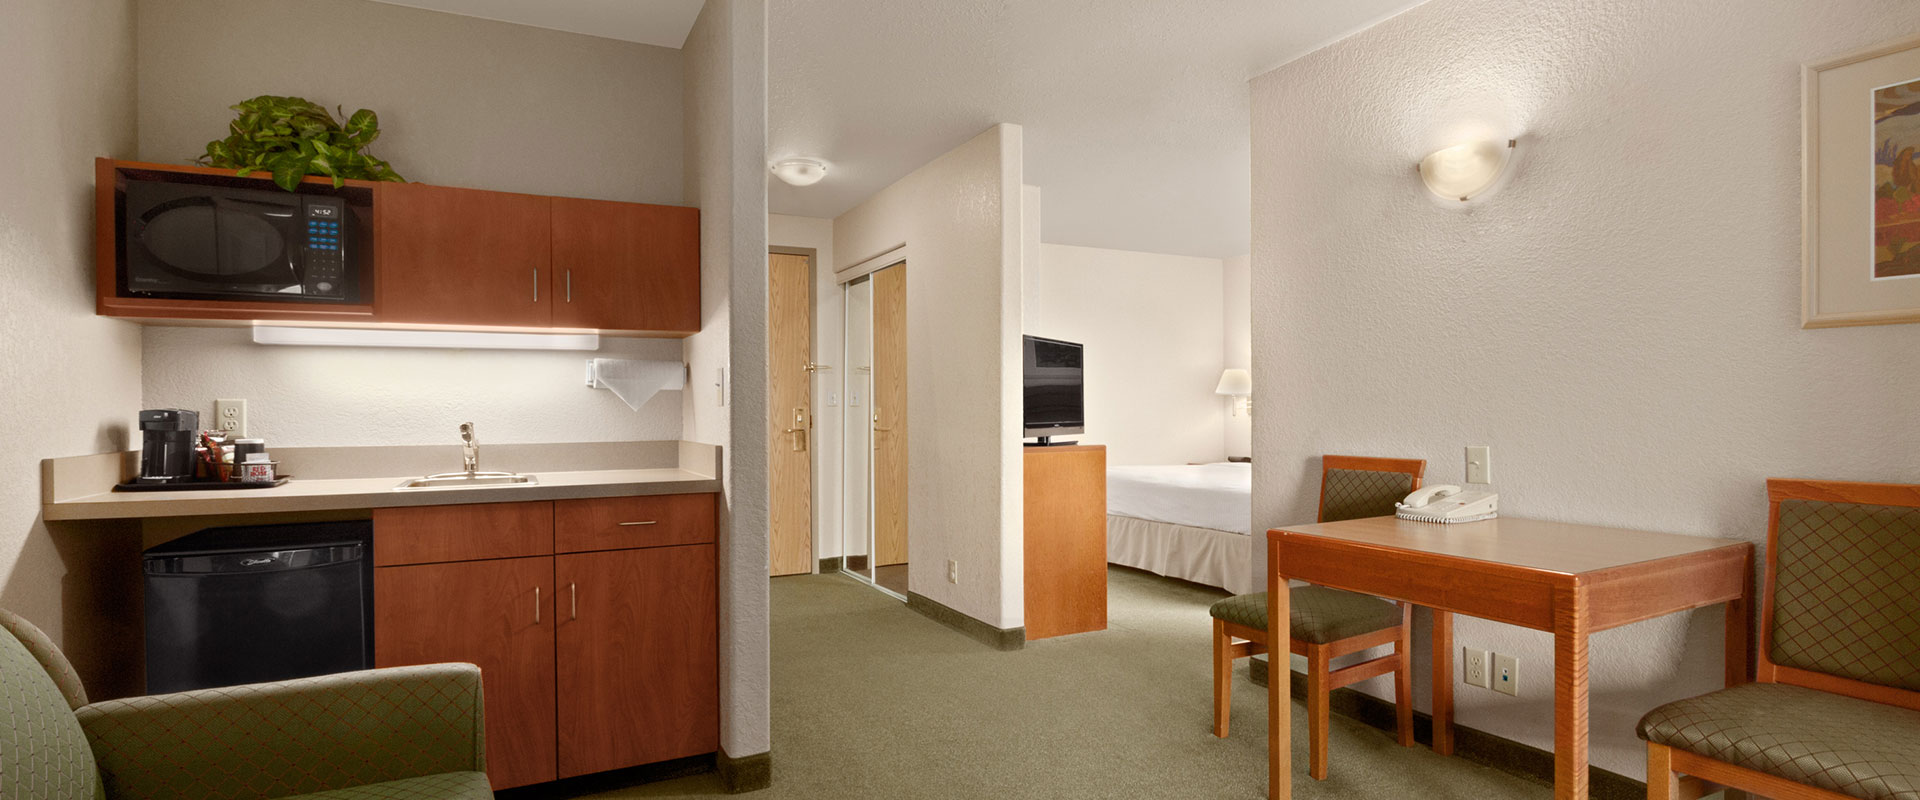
<point>1472,744</point>
<point>746,773</point>
<point>829,565</point>
<point>997,638</point>
<point>855,564</point>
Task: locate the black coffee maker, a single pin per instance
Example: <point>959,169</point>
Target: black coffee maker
<point>166,448</point>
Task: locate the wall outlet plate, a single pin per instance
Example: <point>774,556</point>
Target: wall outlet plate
<point>1474,667</point>
<point>953,571</point>
<point>230,416</point>
<point>1506,674</point>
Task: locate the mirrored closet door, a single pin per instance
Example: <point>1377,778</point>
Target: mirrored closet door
<point>875,455</point>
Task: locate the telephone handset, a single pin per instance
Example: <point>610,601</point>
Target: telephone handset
<point>1447,503</point>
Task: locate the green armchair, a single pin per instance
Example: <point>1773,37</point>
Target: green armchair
<point>408,732</point>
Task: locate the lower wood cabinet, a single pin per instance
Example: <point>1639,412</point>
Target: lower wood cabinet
<point>496,614</point>
<point>639,653</point>
<point>590,661</point>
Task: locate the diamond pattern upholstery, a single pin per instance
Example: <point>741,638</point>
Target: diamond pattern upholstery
<point>1319,615</point>
<point>43,753</point>
<point>1358,493</point>
<point>51,659</point>
<point>303,736</point>
<point>1847,591</point>
<point>1855,747</point>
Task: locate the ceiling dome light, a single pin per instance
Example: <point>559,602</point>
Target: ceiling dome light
<point>1464,170</point>
<point>800,171</point>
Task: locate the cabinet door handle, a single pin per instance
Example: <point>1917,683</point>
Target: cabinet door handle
<point>536,284</point>
<point>536,605</point>
<point>573,592</point>
<point>569,286</point>
<point>646,522</point>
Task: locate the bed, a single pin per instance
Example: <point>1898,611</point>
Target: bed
<point>1190,522</point>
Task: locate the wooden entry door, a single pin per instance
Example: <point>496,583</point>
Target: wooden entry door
<point>790,445</point>
<point>890,416</point>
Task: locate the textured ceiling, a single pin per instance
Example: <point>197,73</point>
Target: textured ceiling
<point>1135,111</point>
<point>657,22</point>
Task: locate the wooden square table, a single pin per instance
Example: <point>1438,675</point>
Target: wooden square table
<point>1570,580</point>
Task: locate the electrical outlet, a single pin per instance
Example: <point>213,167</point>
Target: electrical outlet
<point>1474,664</point>
<point>953,571</point>
<point>1506,674</point>
<point>1479,464</point>
<point>833,399</point>
<point>231,416</point>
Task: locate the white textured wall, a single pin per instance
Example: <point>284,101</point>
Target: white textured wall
<point>829,335</point>
<point>1626,331</point>
<point>726,131</point>
<point>339,396</point>
<point>1237,344</point>
<point>69,381</point>
<point>463,101</point>
<point>453,111</point>
<point>1153,329</point>
<point>960,218</point>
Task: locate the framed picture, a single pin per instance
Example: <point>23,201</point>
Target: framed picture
<point>1862,189</point>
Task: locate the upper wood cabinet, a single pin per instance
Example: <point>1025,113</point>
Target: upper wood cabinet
<point>626,266</point>
<point>446,256</point>
<point>462,257</point>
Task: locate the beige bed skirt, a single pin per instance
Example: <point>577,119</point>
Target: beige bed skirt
<point>1202,555</point>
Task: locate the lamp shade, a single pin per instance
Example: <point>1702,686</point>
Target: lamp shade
<point>1236,382</point>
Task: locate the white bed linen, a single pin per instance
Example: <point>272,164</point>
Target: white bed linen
<point>1217,496</point>
<point>1201,555</point>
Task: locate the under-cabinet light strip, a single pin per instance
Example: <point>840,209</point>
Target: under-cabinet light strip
<point>477,340</point>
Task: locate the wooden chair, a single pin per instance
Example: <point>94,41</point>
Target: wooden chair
<point>1329,623</point>
<point>1835,711</point>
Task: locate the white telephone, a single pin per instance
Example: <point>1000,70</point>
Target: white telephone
<point>1448,503</point>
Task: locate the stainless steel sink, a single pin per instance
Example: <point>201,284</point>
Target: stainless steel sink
<point>455,480</point>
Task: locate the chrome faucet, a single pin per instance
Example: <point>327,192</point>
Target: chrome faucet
<point>469,449</point>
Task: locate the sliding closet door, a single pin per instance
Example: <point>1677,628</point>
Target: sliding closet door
<point>890,424</point>
<point>856,454</point>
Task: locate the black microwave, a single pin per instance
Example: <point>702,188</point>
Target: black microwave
<point>201,241</point>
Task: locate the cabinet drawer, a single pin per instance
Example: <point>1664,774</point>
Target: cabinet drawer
<point>617,523</point>
<point>432,534</point>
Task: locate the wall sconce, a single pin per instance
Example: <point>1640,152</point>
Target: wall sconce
<point>1238,384</point>
<point>799,171</point>
<point>1464,170</point>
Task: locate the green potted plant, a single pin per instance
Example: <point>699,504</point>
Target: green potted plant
<point>293,138</point>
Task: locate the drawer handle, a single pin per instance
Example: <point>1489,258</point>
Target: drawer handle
<point>631,524</point>
<point>573,592</point>
<point>536,605</point>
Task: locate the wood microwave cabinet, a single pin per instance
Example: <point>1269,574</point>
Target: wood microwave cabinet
<point>449,256</point>
<point>594,623</point>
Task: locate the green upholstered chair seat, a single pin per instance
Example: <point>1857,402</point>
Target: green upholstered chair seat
<point>1855,747</point>
<point>448,786</point>
<point>43,751</point>
<point>1319,615</point>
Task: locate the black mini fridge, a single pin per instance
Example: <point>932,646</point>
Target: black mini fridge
<point>227,606</point>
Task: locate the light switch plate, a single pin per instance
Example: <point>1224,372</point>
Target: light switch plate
<point>953,571</point>
<point>1473,666</point>
<point>1479,464</point>
<point>1506,674</point>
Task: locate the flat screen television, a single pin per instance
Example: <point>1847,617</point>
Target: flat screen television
<point>1055,396</point>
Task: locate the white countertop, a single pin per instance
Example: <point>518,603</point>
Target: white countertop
<point>356,493</point>
<point>326,494</point>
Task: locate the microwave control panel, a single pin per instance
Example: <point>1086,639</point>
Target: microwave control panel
<point>326,239</point>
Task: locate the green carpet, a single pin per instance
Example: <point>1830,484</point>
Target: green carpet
<point>871,700</point>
